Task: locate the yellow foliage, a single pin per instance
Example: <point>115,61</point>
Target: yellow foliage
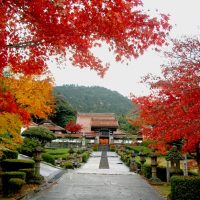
<point>32,94</point>
<point>10,128</point>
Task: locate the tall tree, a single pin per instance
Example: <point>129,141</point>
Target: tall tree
<point>173,107</point>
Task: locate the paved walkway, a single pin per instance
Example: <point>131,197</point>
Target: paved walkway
<point>92,183</point>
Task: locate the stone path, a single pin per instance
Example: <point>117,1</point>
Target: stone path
<point>92,183</point>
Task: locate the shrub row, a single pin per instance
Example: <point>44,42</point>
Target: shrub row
<point>7,185</point>
<point>16,164</point>
<point>8,154</point>
<point>185,188</point>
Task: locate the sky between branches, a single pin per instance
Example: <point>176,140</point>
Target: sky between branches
<point>184,17</point>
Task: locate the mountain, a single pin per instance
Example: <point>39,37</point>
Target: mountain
<point>94,99</point>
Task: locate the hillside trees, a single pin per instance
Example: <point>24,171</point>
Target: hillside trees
<point>172,111</point>
<point>64,112</point>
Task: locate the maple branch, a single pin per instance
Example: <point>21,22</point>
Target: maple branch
<point>24,44</point>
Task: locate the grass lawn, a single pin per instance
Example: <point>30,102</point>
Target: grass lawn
<point>164,190</point>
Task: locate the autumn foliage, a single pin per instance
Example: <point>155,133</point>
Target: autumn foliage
<point>172,111</point>
<point>32,31</point>
<point>72,127</point>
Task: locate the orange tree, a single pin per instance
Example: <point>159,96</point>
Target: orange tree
<point>172,111</point>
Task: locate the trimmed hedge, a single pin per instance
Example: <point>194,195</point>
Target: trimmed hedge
<point>185,188</point>
<point>29,173</point>
<point>15,184</point>
<point>6,176</point>
<point>16,164</point>
<point>8,154</point>
<point>48,158</point>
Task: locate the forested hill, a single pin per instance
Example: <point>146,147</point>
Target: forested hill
<point>94,99</point>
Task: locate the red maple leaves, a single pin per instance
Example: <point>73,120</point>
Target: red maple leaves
<point>72,127</point>
<point>31,31</point>
<point>172,111</point>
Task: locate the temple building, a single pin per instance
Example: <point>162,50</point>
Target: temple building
<point>101,125</point>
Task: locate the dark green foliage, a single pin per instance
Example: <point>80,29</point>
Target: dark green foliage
<point>68,165</point>
<point>16,164</point>
<point>15,184</point>
<point>94,99</point>
<point>6,176</point>
<point>28,146</point>
<point>64,112</point>
<point>40,134</point>
<point>146,171</point>
<point>185,188</point>
<point>8,154</point>
<point>48,158</point>
<point>29,173</point>
<point>85,156</point>
<point>125,125</point>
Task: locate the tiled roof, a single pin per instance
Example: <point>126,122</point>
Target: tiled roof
<point>104,122</point>
<point>51,126</point>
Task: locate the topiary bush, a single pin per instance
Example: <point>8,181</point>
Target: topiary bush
<point>48,158</point>
<point>29,174</point>
<point>8,154</point>
<point>185,188</point>
<point>16,164</point>
<point>28,146</point>
<point>6,176</point>
<point>15,184</point>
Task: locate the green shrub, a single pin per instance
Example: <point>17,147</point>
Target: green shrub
<point>48,158</point>
<point>6,176</point>
<point>16,164</point>
<point>71,151</point>
<point>28,146</point>
<point>146,171</point>
<point>8,154</point>
<point>29,173</point>
<point>85,156</point>
<point>68,165</point>
<point>15,184</point>
<point>185,188</point>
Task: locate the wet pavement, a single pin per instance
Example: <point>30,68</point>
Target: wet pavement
<point>92,183</point>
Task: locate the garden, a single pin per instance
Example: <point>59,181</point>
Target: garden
<point>165,172</point>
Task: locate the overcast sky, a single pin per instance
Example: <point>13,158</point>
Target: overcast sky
<point>185,19</point>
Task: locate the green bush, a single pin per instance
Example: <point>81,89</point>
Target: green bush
<point>29,173</point>
<point>85,156</point>
<point>68,165</point>
<point>28,146</point>
<point>6,176</point>
<point>48,158</point>
<point>185,188</point>
<point>8,154</point>
<point>16,164</point>
<point>15,184</point>
<point>146,171</point>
